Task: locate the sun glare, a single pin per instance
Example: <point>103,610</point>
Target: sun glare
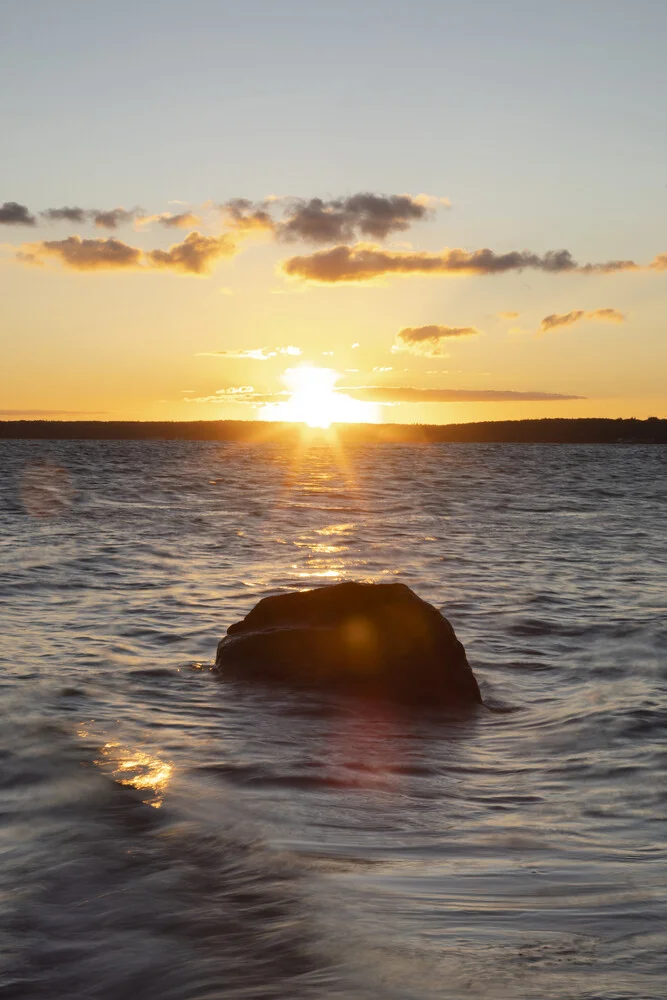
<point>315,401</point>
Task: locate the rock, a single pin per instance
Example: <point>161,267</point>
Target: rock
<point>378,640</point>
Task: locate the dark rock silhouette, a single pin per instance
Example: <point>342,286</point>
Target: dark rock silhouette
<point>377,640</point>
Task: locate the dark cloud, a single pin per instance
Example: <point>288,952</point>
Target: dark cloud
<point>83,255</point>
<point>111,218</point>
<point>428,339</point>
<point>317,220</point>
<point>115,217</point>
<point>195,255</point>
<point>13,214</point>
<point>556,320</point>
<point>65,214</point>
<point>365,262</point>
<point>342,219</point>
<point>411,394</point>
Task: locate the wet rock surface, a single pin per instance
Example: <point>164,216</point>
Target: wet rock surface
<point>378,640</point>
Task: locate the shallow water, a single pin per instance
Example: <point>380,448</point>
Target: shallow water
<point>166,834</point>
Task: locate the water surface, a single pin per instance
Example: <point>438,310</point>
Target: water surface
<point>169,835</point>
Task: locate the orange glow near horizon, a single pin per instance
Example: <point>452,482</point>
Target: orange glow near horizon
<point>316,402</point>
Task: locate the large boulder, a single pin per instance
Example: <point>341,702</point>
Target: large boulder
<point>367,638</point>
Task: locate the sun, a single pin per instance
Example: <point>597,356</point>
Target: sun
<point>315,401</point>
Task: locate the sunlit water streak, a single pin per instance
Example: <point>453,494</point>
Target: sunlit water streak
<point>327,849</point>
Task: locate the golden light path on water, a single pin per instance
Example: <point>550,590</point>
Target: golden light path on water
<point>316,402</point>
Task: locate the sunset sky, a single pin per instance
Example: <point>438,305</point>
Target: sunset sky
<point>458,209</point>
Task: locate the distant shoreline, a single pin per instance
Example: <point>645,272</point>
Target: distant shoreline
<point>546,431</point>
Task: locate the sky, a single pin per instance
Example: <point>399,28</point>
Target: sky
<point>457,210</point>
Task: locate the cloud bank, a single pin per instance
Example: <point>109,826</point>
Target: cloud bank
<point>428,340</point>
<point>411,394</point>
<point>366,262</point>
<point>314,220</point>
<point>555,320</point>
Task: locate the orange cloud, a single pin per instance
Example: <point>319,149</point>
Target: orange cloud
<point>195,255</point>
<point>83,255</point>
<point>428,340</point>
<point>365,262</point>
<point>555,320</point>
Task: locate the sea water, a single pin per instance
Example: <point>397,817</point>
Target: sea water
<point>168,834</point>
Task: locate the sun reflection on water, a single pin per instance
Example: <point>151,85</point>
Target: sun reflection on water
<point>137,769</point>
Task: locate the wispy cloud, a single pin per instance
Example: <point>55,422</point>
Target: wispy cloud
<point>113,218</point>
<point>412,394</point>
<point>366,262</point>
<point>252,354</point>
<point>49,414</point>
<point>556,320</point>
<point>101,218</point>
<point>183,220</point>
<point>428,340</point>
<point>509,315</point>
<point>236,394</point>
<point>13,214</point>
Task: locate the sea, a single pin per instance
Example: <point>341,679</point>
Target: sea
<point>169,834</point>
